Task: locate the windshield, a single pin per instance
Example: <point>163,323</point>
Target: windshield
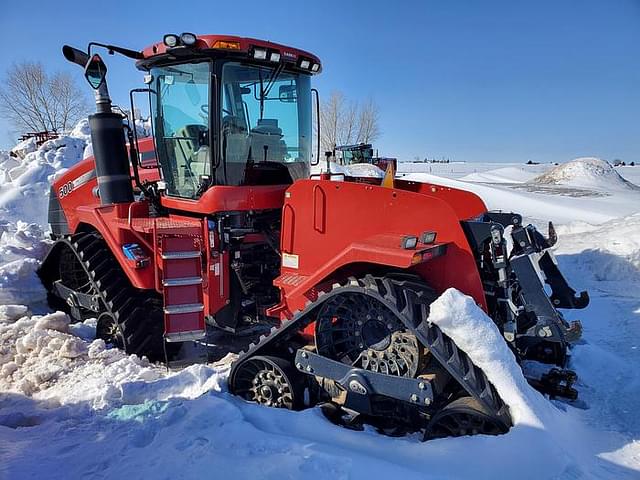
<point>180,115</point>
<point>265,125</point>
<point>359,155</point>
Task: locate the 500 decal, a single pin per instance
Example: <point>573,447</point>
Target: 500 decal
<point>65,189</point>
<point>68,187</point>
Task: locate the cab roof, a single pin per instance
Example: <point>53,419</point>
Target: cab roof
<point>230,45</point>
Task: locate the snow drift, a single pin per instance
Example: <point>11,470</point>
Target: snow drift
<point>132,417</point>
<point>587,172</point>
<point>25,180</point>
<point>520,174</point>
<point>355,170</point>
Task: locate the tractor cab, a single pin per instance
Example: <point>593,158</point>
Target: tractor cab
<point>355,154</point>
<point>228,111</point>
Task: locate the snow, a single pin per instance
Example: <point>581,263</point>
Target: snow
<point>502,175</point>
<point>22,245</point>
<point>355,170</point>
<point>23,180</point>
<point>592,196</point>
<point>587,173</point>
<point>72,408</point>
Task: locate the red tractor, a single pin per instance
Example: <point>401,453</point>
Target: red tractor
<point>363,153</point>
<point>214,225</point>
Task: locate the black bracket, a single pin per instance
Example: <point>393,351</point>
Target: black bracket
<point>562,296</point>
<point>360,384</point>
<point>77,299</point>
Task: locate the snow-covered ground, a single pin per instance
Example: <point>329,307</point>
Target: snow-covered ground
<point>71,408</point>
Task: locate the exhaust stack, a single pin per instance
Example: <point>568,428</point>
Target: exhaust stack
<point>107,133</point>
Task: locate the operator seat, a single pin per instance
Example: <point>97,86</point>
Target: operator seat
<point>192,155</point>
<point>268,134</point>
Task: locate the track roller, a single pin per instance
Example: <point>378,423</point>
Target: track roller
<point>464,416</point>
<point>270,381</point>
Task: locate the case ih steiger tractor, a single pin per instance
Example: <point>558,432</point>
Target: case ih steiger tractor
<point>363,153</point>
<point>214,224</point>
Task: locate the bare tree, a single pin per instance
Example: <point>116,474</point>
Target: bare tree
<point>344,122</point>
<point>368,128</point>
<point>330,114</point>
<point>34,101</point>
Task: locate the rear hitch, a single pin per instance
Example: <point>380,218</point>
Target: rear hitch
<point>557,383</point>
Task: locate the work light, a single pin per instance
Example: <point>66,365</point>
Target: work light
<point>428,237</point>
<point>259,54</point>
<point>188,39</point>
<point>170,40</point>
<point>409,242</point>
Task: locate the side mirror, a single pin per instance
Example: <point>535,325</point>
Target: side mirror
<point>95,71</point>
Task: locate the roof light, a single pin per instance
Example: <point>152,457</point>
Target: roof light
<point>275,56</point>
<point>409,242</point>
<point>305,64</point>
<point>315,67</point>
<point>170,40</point>
<point>188,39</point>
<point>226,44</point>
<point>259,54</point>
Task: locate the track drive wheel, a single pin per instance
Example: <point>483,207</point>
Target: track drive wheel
<point>269,381</point>
<point>463,416</point>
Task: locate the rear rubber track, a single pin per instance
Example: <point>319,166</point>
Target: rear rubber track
<point>408,298</point>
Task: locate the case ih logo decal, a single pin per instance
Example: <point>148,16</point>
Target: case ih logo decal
<point>289,55</point>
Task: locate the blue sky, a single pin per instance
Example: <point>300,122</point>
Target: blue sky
<point>546,80</point>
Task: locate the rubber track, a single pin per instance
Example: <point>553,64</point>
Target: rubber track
<point>131,309</point>
<point>409,299</point>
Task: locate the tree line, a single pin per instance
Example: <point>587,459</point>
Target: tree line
<point>347,122</point>
<point>33,100</point>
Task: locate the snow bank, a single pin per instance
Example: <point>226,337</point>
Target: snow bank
<point>503,175</point>
<point>25,182</point>
<point>474,332</point>
<point>356,170</point>
<point>56,385</point>
<point>540,203</point>
<point>22,246</point>
<point>608,252</point>
<point>44,357</point>
<point>587,172</point>
<point>23,148</point>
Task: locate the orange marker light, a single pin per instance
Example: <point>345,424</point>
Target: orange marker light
<point>227,45</point>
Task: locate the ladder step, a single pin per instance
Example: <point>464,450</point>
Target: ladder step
<point>181,255</point>
<point>185,336</point>
<point>184,308</point>
<point>181,282</point>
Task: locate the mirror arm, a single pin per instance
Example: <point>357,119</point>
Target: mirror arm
<point>113,48</point>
